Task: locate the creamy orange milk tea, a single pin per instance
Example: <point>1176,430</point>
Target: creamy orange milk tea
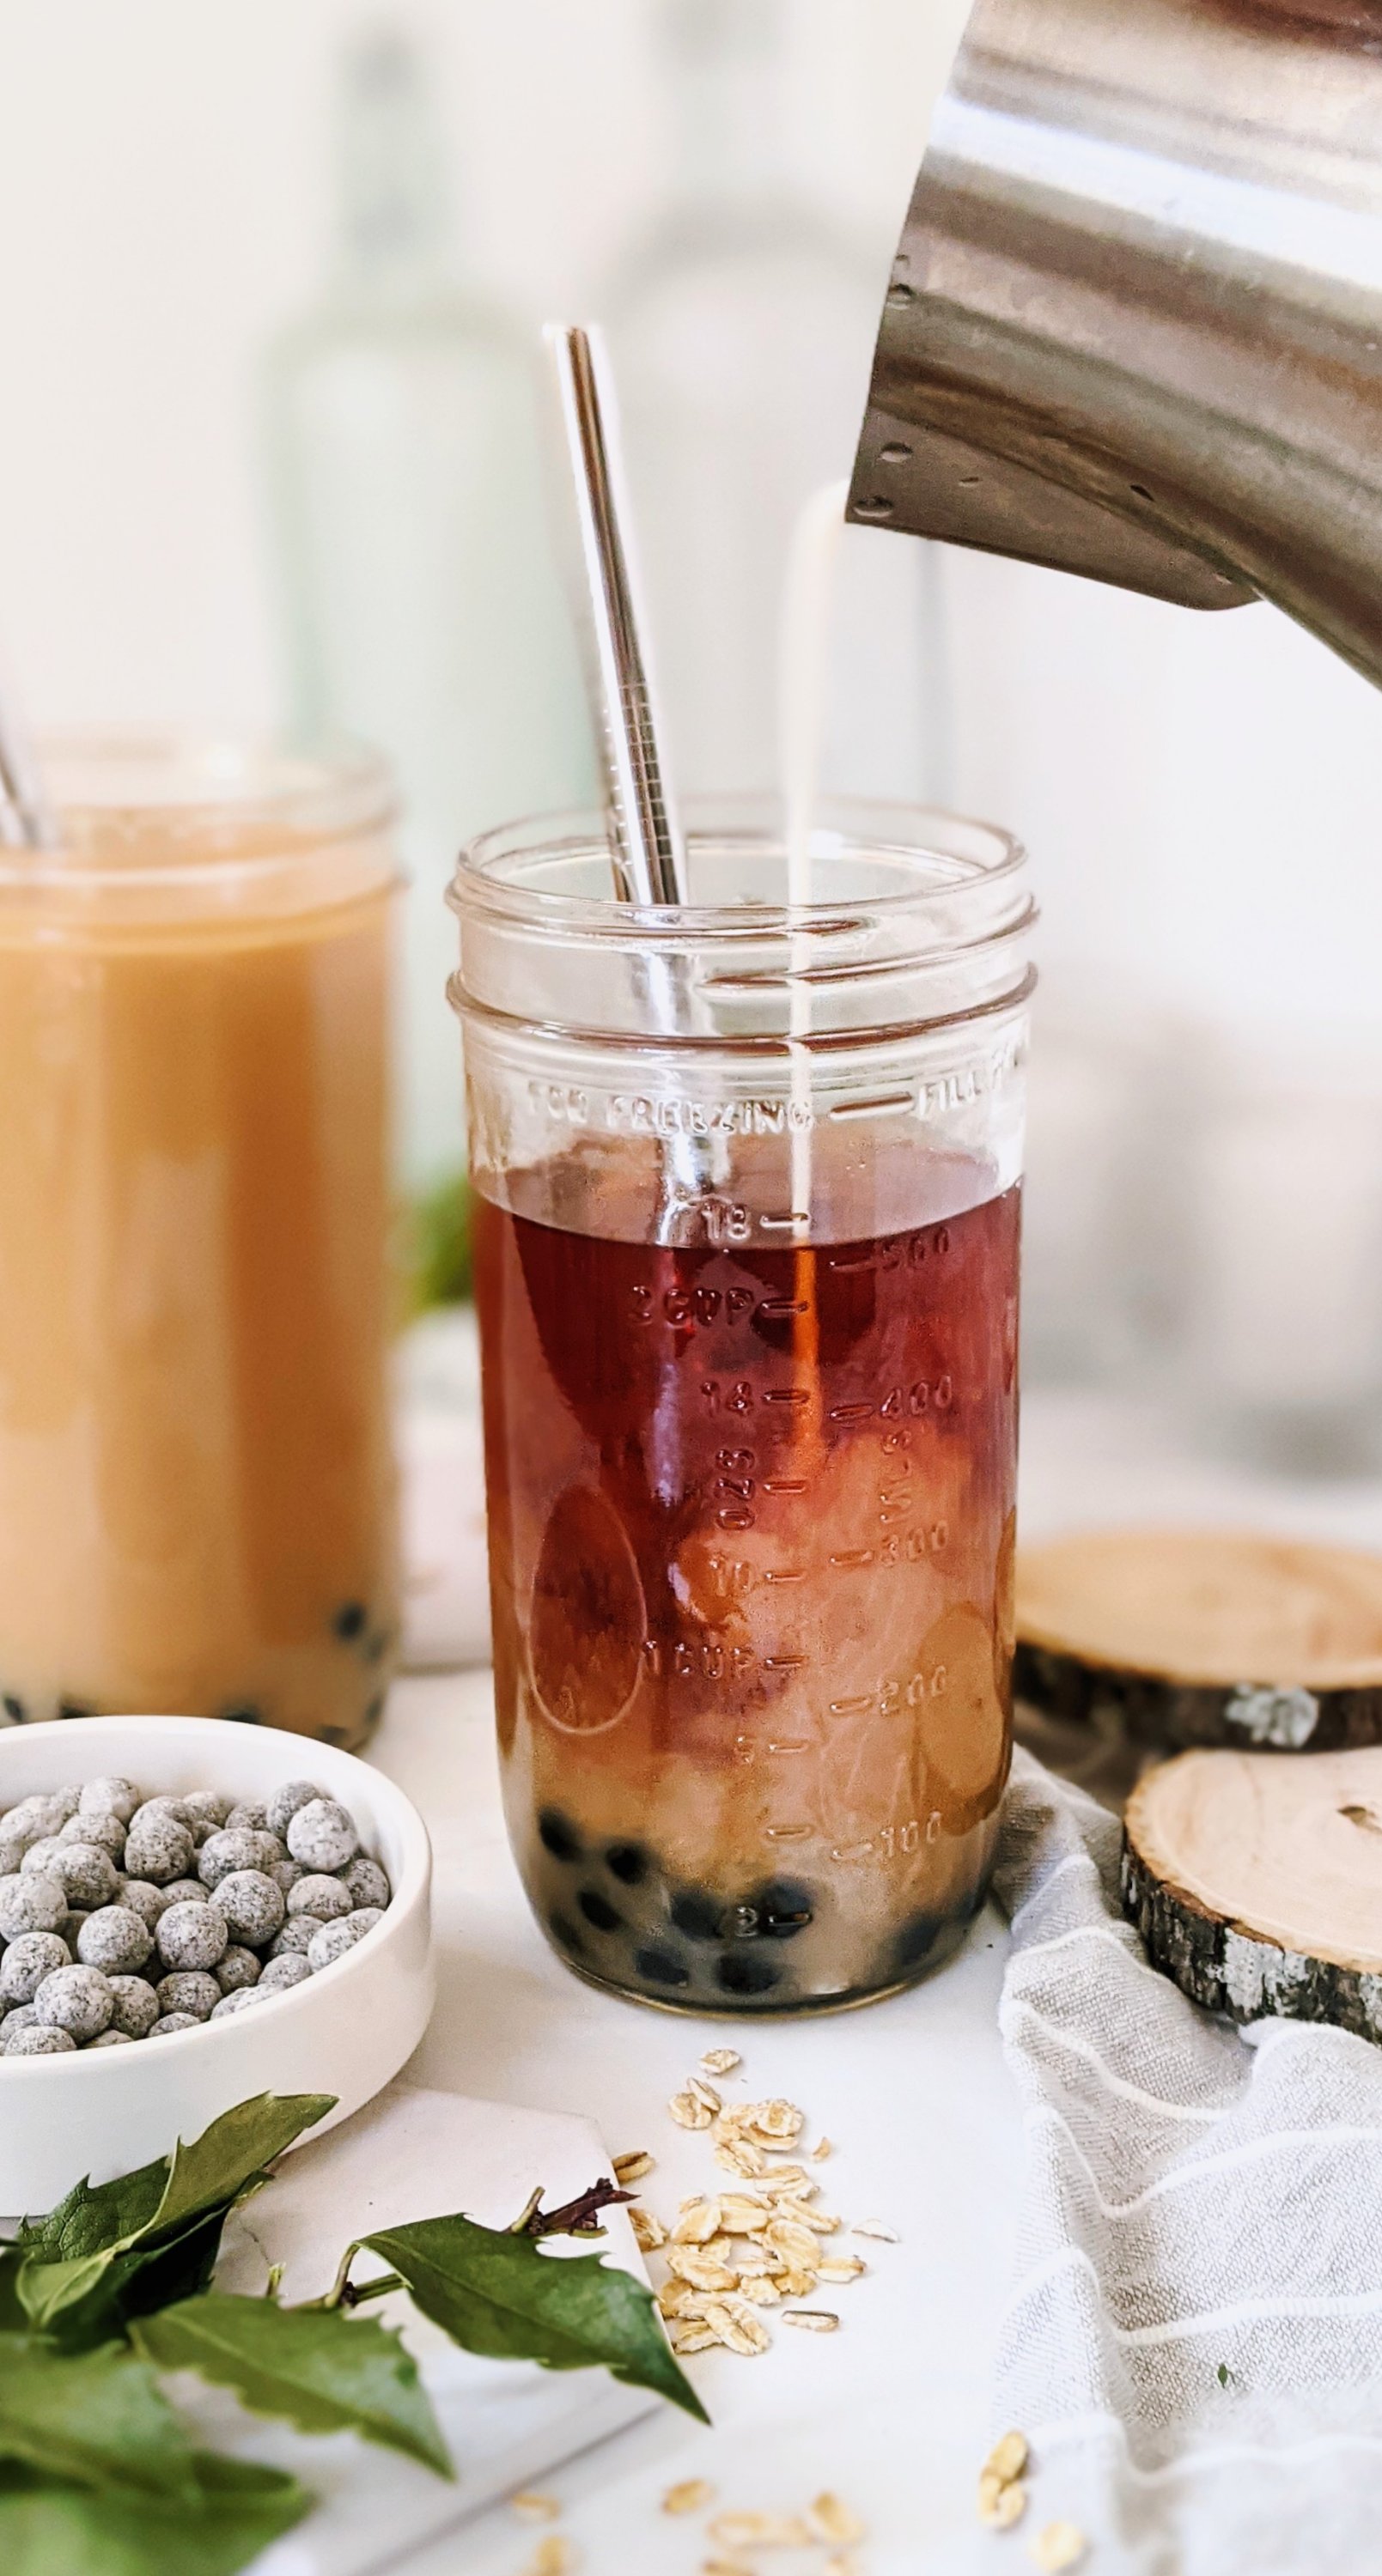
<point>196,1497</point>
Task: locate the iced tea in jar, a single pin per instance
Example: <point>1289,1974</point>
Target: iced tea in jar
<point>747,1269</point>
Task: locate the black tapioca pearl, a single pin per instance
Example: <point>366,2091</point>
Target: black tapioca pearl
<point>697,1915</point>
<point>337,1735</point>
<point>15,1709</point>
<point>557,1836</point>
<point>746,1972</point>
<point>783,1908</point>
<point>348,1622</point>
<point>598,1911</point>
<point>630,1863</point>
<point>249,1715</point>
<point>374,1711</point>
<point>377,1645</point>
<point>661,1967</point>
<point>916,1939</point>
<point>564,1931</point>
<point>75,1708</point>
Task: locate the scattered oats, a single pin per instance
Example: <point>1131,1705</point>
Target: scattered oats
<point>1000,2504</point>
<point>821,2150</point>
<point>721,2061</point>
<point>694,2495</point>
<point>737,2327</point>
<point>633,2167</point>
<point>701,2266</point>
<point>705,2094</point>
<point>797,2285</point>
<point>689,2112</point>
<point>761,2288</point>
<point>648,2231</point>
<point>794,2243</point>
<point>778,2121</point>
<point>812,2320</point>
<point>832,2520</point>
<point>841,2267</point>
<point>791,2182</point>
<point>725,2567</point>
<point>694,2338</point>
<point>744,2531</point>
<point>535,2508</point>
<point>553,2556</point>
<point>741,2214</point>
<point>874,2227</point>
<point>1008,2458</point>
<point>740,2156</point>
<point>699,2221</point>
<point>822,2222</point>
<point>844,2563</point>
<point>675,2298</point>
<point>1059,2546</point>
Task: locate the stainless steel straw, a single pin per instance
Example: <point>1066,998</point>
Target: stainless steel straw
<point>27,821</point>
<point>649,854</point>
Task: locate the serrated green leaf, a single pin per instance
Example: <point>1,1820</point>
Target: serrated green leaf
<point>82,2270</point>
<point>96,2419</point>
<point>320,2369</point>
<point>235,2510</point>
<point>500,2294</point>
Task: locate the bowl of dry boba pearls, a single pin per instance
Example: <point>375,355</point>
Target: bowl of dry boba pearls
<point>193,1911</point>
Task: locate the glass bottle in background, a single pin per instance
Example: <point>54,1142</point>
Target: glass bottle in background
<point>424,612</point>
<point>743,332</point>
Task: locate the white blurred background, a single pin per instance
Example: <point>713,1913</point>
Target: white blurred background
<point>265,456</point>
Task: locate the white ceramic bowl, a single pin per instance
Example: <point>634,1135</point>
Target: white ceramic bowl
<point>345,2031</point>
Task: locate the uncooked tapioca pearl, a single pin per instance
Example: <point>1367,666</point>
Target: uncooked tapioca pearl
<point>284,1873</point>
<point>297,1934</point>
<point>42,1852</point>
<point>110,1796</point>
<point>172,1808</point>
<point>322,1835</point>
<point>27,1962</point>
<point>242,1848</point>
<point>332,1942</point>
<point>288,1970</point>
<point>167,2023</point>
<point>189,1991</point>
<point>88,1874</point>
<point>116,1940</point>
<point>111,2038</point>
<point>207,1807</point>
<point>33,1818</point>
<point>39,2039</point>
<point>234,2002</point>
<point>192,1935</point>
<point>143,1898</point>
<point>69,1930</point>
<point>249,1816</point>
<point>19,2017</point>
<point>136,2006</point>
<point>364,1881</point>
<point>238,1967</point>
<point>252,1906</point>
<point>65,1801</point>
<point>365,1918</point>
<point>75,1999</point>
<point>12,1855</point>
<point>158,1847</point>
<point>325,1897</point>
<point>187,1891</point>
<point>33,1903</point>
<point>106,1832</point>
<point>285,1802</point>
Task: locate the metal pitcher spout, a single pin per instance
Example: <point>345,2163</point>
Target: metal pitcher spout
<point>1134,328</point>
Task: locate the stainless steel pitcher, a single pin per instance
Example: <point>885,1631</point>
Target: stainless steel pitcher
<point>1135,324</point>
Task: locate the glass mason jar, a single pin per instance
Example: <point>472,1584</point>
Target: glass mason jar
<point>196,1487</point>
<point>747,1273</point>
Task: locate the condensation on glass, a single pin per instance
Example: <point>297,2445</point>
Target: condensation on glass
<point>747,1265</point>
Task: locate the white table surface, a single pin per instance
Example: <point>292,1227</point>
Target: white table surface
<point>891,2411</point>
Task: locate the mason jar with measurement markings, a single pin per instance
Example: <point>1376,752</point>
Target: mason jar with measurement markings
<point>747,1219</point>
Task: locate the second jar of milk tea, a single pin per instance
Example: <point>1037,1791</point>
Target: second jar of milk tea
<point>196,1505</point>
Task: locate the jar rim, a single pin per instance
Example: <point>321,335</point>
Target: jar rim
<point>985,860</point>
<point>199,798</point>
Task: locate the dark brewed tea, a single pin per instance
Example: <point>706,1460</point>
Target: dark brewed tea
<point>751,1517</point>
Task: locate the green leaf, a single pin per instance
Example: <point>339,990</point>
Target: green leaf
<point>97,2419</point>
<point>83,2267</point>
<point>323,2371</point>
<point>235,2510</point>
<point>500,2294</point>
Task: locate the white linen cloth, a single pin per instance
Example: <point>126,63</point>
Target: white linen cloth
<point>1196,2197</point>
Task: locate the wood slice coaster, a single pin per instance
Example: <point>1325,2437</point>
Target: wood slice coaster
<point>1204,1637</point>
<point>1256,1883</point>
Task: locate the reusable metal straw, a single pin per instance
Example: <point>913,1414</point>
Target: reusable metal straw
<point>27,821</point>
<point>649,854</point>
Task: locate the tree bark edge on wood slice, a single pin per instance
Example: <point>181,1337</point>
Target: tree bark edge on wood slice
<point>1218,1957</point>
<point>1179,1636</point>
